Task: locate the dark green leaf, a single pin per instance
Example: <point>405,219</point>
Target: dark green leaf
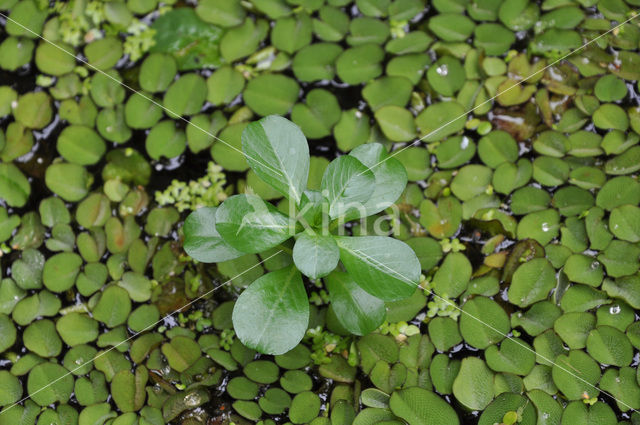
<point>358,311</point>
<point>384,267</point>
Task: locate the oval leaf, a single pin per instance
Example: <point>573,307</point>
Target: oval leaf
<point>418,406</point>
<point>278,152</point>
<point>358,311</point>
<point>272,314</point>
<point>347,183</point>
<point>384,267</point>
<point>250,225</point>
<point>315,255</point>
<point>202,241</point>
<point>389,173</point>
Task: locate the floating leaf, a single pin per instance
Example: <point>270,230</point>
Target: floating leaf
<point>14,186</point>
<point>271,94</point>
<point>48,383</point>
<point>418,406</point>
<point>473,386</point>
<point>483,322</point>
<point>193,43</point>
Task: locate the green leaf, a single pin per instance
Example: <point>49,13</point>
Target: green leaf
<point>10,388</point>
<point>483,322</point>
<point>157,72</point>
<point>262,371</point>
<point>624,223</point>
<point>360,64</point>
<point>315,255</point>
<point>291,33</point>
<point>396,123</point>
<point>347,184</point>
<point>48,383</point>
<point>278,152</point>
<point>451,26</point>
<point>202,241</point>
<point>513,356</point>
<point>304,407</point>
<point>317,116</point>
<point>77,328</point>
<point>192,42</point>
<point>250,225</point>
<point>128,390</point>
<point>243,39</point>
<point>60,271</point>
<point>96,414</point>
<point>473,387</point>
<point>181,352</point>
<point>185,96</point>
<point>610,346</point>
<point>622,385</point>
<point>69,181</point>
<point>226,14</point>
<point>14,186</point>
<point>514,403</point>
<point>576,374</point>
<point>240,388</point>
<point>7,331</point>
<point>389,173</point>
<point>34,110</point>
<point>418,406</point>
<point>270,94</point>
<point>297,358</point>
<point>358,311</point>
<point>453,276</point>
<point>224,85</point>
<point>80,145</point>
<point>578,412</point>
<point>41,338</point>
<point>113,307</point>
<point>532,282</point>
<point>384,267</point>
<point>272,314</point>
